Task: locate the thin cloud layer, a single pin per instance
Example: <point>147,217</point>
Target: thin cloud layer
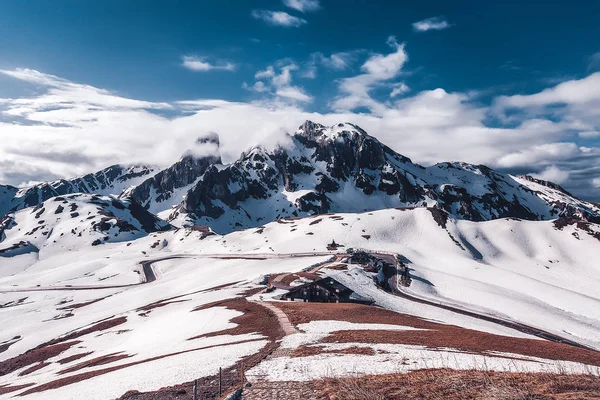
<point>303,5</point>
<point>278,18</point>
<point>202,64</point>
<point>431,24</point>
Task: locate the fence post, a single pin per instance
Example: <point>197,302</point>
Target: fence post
<point>195,389</point>
<point>220,373</point>
<point>242,372</point>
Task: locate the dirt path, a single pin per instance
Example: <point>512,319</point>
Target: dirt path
<point>284,322</point>
<point>262,389</point>
<point>392,279</point>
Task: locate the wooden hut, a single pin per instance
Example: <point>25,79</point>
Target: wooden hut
<point>326,290</point>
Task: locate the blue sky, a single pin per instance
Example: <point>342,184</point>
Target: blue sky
<point>503,84</point>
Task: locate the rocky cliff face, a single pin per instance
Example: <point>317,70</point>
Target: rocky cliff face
<point>343,169</point>
<point>322,169</point>
<point>167,188</point>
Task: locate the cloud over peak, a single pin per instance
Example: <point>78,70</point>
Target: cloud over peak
<point>278,18</point>
<point>202,64</point>
<point>433,23</point>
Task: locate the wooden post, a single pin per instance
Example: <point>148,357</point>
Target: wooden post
<point>195,389</point>
<point>220,376</point>
<point>242,365</point>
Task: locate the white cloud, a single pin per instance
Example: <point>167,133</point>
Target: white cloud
<point>336,61</point>
<point>596,182</point>
<point>69,128</point>
<point>303,5</point>
<point>354,91</point>
<point>267,73</point>
<point>553,174</point>
<point>399,89</point>
<point>545,152</point>
<point>434,23</point>
<point>589,135</point>
<point>293,93</point>
<point>278,18</point>
<point>279,84</point>
<point>201,64</point>
<point>573,92</point>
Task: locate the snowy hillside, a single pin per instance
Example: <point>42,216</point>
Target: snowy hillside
<point>74,222</point>
<point>81,321</point>
<point>111,180</point>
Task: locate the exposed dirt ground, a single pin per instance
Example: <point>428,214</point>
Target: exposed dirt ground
<point>255,319</point>
<point>449,384</point>
<point>435,335</point>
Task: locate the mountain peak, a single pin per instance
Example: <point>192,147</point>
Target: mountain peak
<point>310,129</point>
<point>314,130</point>
<point>206,146</point>
<point>210,137</point>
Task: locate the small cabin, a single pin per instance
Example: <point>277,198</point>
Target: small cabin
<point>201,228</point>
<point>332,246</point>
<point>326,290</point>
<point>360,257</point>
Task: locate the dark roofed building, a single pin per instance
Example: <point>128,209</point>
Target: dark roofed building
<point>326,290</point>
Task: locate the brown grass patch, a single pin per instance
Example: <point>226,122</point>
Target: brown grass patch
<point>90,374</point>
<point>4,389</point>
<point>305,351</point>
<point>434,336</point>
<point>37,355</point>
<point>74,357</point>
<point>438,384</point>
<point>79,305</point>
<point>102,360</point>
<point>55,346</point>
<point>255,318</point>
<point>158,304</point>
<point>34,368</point>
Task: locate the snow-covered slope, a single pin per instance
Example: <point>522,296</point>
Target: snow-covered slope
<point>535,272</point>
<point>343,169</point>
<point>74,222</point>
<point>540,273</point>
<point>112,180</point>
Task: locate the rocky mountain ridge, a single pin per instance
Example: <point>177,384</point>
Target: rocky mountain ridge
<point>319,170</point>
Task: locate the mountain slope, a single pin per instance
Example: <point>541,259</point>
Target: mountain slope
<point>111,180</point>
<point>65,223</point>
<point>343,169</point>
<point>167,188</point>
<point>7,194</point>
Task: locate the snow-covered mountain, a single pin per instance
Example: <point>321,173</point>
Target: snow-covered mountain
<point>319,170</point>
<point>167,188</point>
<point>343,169</point>
<point>112,180</point>
<point>65,223</point>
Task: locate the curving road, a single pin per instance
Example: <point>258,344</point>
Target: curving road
<point>150,275</point>
<point>391,274</point>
